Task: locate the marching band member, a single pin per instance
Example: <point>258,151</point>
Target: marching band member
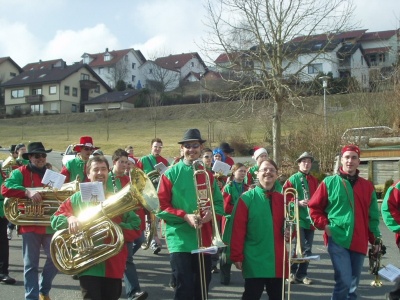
<point>20,149</point>
<point>305,184</point>
<point>391,217</point>
<point>231,193</point>
<point>260,155</point>
<point>33,237</point>
<point>257,244</point>
<point>103,280</point>
<point>227,150</point>
<point>147,164</point>
<point>178,203</point>
<point>346,208</point>
<point>117,179</point>
<point>129,149</point>
<point>77,166</point>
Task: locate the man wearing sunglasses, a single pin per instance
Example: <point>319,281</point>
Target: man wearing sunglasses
<point>178,203</point>
<point>77,166</point>
<point>33,237</point>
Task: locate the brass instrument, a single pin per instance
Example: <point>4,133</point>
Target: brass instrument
<point>292,223</point>
<point>21,211</point>
<point>375,261</point>
<point>205,202</point>
<point>151,220</point>
<point>74,253</point>
<point>8,165</point>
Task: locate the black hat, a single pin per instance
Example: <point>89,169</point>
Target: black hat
<point>192,135</point>
<point>305,155</point>
<point>12,148</point>
<point>35,147</point>
<point>225,147</point>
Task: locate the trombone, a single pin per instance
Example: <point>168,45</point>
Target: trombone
<point>205,202</point>
<point>291,215</point>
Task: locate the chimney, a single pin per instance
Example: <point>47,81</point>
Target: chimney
<point>106,50</point>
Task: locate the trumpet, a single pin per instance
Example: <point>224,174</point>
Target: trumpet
<point>292,223</point>
<point>375,261</point>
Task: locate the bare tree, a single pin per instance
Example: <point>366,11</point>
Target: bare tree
<point>259,36</point>
<point>118,72</point>
<point>160,79</point>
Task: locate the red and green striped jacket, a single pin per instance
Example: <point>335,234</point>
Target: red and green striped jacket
<point>391,209</point>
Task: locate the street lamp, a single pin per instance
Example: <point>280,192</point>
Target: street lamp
<point>324,85</point>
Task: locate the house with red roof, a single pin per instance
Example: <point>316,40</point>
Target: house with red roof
<point>116,65</point>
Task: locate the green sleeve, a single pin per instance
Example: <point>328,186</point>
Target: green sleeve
<point>374,215</point>
<point>15,181</point>
<point>59,222</point>
<point>130,220</point>
<point>218,200</point>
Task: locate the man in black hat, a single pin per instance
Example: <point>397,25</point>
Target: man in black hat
<point>305,184</point>
<point>226,148</point>
<point>33,237</point>
<point>178,205</point>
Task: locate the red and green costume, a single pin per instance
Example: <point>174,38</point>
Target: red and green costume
<point>177,196</point>
<point>310,185</point>
<point>147,163</point>
<point>391,209</point>
<point>337,204</point>
<point>75,167</point>
<point>129,222</point>
<point>15,187</point>
<point>258,222</point>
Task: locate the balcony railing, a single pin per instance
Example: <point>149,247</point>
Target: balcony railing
<point>88,84</point>
<point>34,99</point>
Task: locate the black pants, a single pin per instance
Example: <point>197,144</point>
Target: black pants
<point>100,288</point>
<point>4,251</point>
<point>185,268</point>
<point>254,287</point>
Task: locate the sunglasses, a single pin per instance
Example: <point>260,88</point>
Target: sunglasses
<point>193,146</point>
<point>39,155</point>
<point>87,148</point>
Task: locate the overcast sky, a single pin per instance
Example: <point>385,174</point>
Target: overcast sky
<point>49,29</point>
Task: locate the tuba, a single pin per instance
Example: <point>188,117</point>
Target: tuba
<point>21,211</point>
<point>74,253</point>
<point>8,165</point>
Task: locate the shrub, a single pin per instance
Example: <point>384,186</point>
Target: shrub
<point>388,184</point>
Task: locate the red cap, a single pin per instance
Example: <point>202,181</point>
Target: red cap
<point>351,148</point>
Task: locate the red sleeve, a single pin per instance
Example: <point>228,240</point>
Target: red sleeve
<point>228,205</point>
<point>12,193</point>
<point>165,197</point>
<point>139,164</point>
<point>65,209</point>
<point>65,172</point>
<point>317,205</point>
<point>240,220</point>
<point>142,215</point>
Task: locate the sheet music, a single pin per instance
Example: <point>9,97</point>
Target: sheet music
<point>208,250</point>
<point>53,179</point>
<point>160,167</point>
<point>92,191</point>
<point>221,167</point>
<point>389,272</point>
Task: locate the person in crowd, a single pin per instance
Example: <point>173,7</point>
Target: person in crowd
<point>33,237</point>
<point>178,206</point>
<point>305,184</point>
<point>346,208</point>
<point>207,158</point>
<point>20,149</point>
<point>228,151</point>
<point>218,154</point>
<point>96,152</point>
<point>231,193</point>
<point>77,166</point>
<point>260,155</point>
<point>391,217</point>
<point>147,164</point>
<point>131,153</point>
<point>117,179</point>
<point>4,244</point>
<point>258,243</point>
<point>102,281</point>
<point>9,163</point>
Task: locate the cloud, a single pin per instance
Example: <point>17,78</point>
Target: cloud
<point>70,45</point>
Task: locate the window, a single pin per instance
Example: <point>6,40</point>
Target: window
<point>133,78</point>
<point>17,93</point>
<point>75,92</point>
<point>381,57</point>
<point>36,91</point>
<point>126,58</point>
<point>107,57</point>
<point>73,108</point>
<point>66,90</point>
<point>133,66</point>
<point>85,76</point>
<point>86,59</point>
<point>192,64</point>
<point>53,90</point>
<point>314,68</point>
<point>150,71</point>
<point>109,69</point>
<point>100,70</point>
<point>37,108</point>
<point>12,74</point>
<point>97,89</point>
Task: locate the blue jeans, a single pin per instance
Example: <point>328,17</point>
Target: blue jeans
<point>306,241</point>
<point>347,265</point>
<point>131,279</point>
<point>31,244</point>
